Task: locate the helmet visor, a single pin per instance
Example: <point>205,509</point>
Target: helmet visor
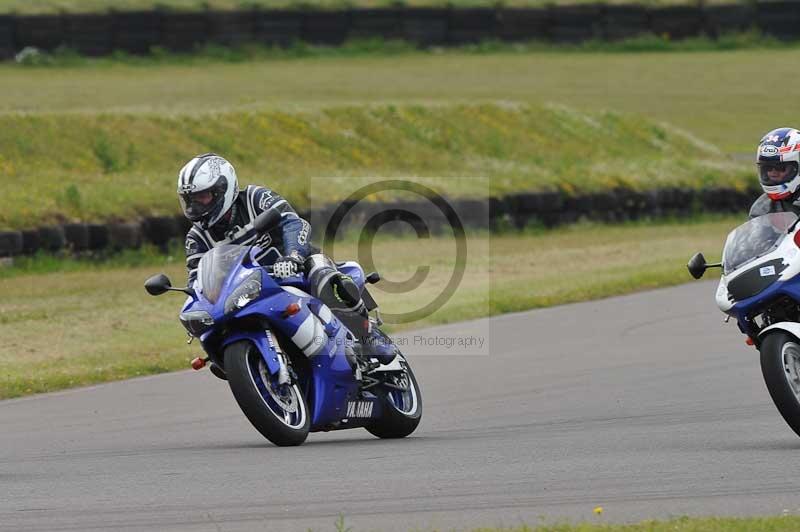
<point>198,204</point>
<point>776,173</point>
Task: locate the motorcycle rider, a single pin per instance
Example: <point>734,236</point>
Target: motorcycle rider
<point>220,213</point>
<point>209,195</point>
<point>778,161</point>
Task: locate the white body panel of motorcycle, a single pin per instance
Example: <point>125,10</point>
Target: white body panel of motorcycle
<point>791,327</point>
<point>787,251</point>
<point>723,302</point>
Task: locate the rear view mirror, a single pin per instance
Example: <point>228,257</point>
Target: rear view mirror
<point>157,284</point>
<point>266,220</point>
<point>697,266</point>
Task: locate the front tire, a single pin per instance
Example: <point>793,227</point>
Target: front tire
<point>402,410</point>
<point>780,365</point>
<point>279,413</point>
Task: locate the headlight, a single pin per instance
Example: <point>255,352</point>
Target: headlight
<point>246,292</point>
<point>197,321</point>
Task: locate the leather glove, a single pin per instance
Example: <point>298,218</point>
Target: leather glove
<point>287,266</point>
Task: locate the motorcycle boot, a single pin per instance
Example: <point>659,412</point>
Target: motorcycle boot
<point>377,345</point>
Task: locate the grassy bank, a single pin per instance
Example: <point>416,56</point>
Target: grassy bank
<point>54,337</point>
<point>711,94</point>
<point>124,165</point>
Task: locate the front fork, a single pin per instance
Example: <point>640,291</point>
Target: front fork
<point>268,348</point>
<point>283,365</point>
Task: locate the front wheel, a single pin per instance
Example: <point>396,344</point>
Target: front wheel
<point>278,412</point>
<point>402,404</point>
<point>780,365</point>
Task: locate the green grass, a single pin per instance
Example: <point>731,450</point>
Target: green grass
<point>94,6</point>
<point>715,95</point>
<point>124,165</point>
<point>785,523</point>
<point>64,56</point>
<point>46,263</point>
<point>54,337</point>
<point>284,121</point>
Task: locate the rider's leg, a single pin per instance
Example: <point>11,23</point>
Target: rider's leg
<point>342,295</point>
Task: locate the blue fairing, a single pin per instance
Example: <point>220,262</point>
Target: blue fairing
<point>324,338</point>
<point>332,374</point>
<point>746,307</point>
<point>268,353</point>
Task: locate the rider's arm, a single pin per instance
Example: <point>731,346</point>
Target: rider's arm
<point>295,232</point>
<point>195,249</point>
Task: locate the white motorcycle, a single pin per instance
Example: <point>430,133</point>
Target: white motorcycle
<point>760,288</point>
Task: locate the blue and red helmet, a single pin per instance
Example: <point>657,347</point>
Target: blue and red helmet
<point>778,161</point>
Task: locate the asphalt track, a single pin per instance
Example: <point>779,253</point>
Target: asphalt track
<point>647,405</point>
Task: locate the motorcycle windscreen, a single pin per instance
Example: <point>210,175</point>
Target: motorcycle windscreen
<point>214,268</point>
<point>755,239</point>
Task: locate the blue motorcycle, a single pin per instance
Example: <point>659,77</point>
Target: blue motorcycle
<point>291,363</point>
<point>760,288</point>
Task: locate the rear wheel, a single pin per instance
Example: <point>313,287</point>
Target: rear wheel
<point>780,365</point>
<point>278,412</point>
<point>402,404</point>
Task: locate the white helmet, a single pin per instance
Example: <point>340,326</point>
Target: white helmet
<point>207,188</point>
<point>778,160</point>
